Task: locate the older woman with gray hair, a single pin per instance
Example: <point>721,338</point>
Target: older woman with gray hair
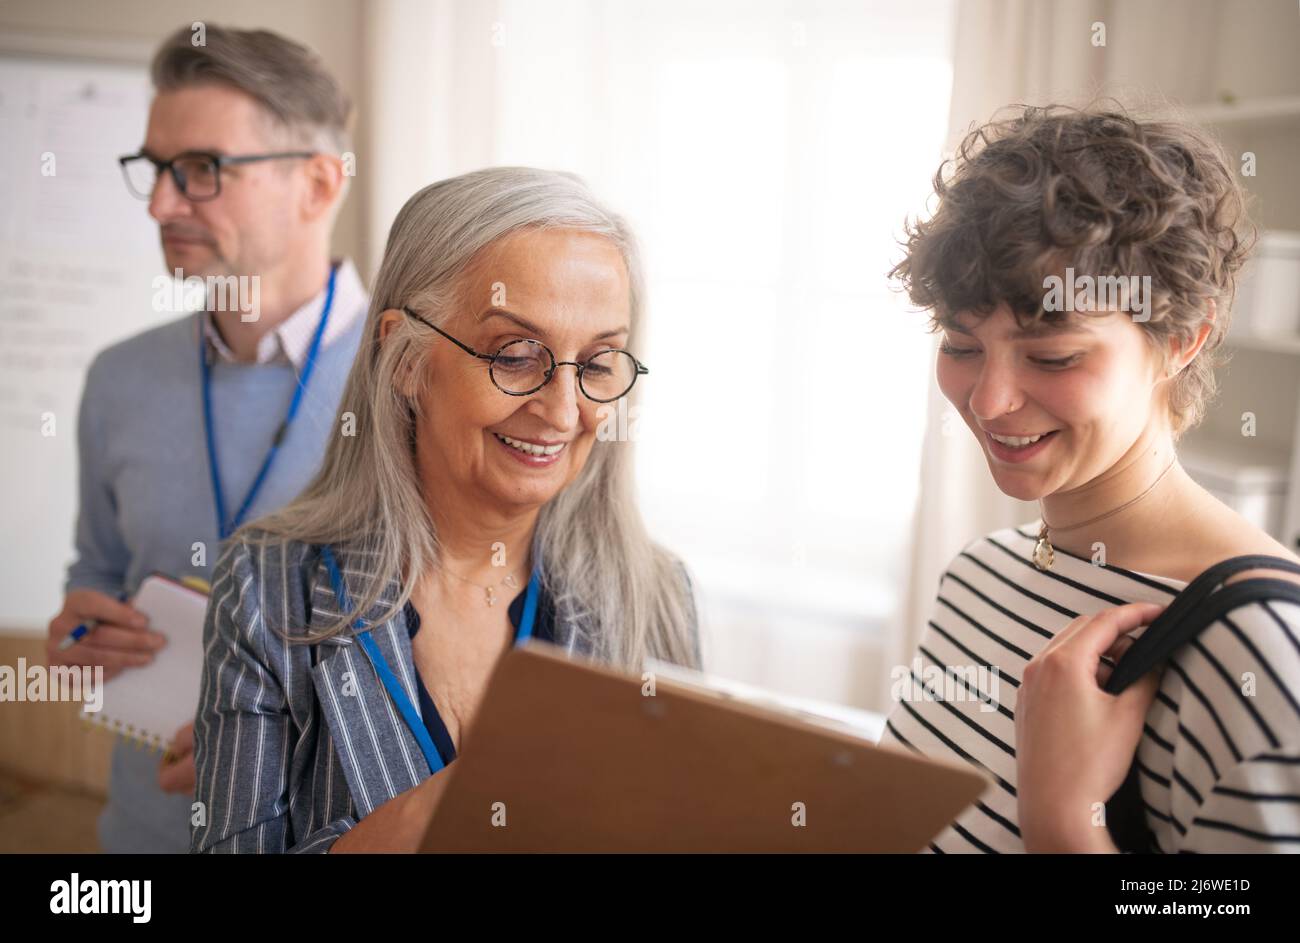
<point>466,502</point>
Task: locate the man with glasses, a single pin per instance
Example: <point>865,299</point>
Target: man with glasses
<point>192,428</point>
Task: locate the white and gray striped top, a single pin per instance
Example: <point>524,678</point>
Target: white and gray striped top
<point>1219,760</point>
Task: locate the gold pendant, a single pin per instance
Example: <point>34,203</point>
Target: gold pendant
<point>491,595</point>
<point>1043,555</point>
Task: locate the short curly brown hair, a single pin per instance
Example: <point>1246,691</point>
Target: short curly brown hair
<point>1096,189</point>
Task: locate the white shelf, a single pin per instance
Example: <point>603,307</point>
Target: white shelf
<point>1248,461</point>
<point>1248,475</point>
<point>1279,344</point>
<point>1258,111</point>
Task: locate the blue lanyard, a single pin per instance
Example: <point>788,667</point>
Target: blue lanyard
<point>395,690</point>
<point>224,527</point>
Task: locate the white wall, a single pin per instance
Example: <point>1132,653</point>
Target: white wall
<point>334,28</point>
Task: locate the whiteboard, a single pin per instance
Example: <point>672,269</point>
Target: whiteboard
<point>78,256</point>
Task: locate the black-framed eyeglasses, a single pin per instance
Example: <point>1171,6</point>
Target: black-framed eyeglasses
<point>523,367</point>
<point>197,174</point>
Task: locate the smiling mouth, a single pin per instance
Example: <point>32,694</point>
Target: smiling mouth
<point>1017,441</point>
<point>529,448</point>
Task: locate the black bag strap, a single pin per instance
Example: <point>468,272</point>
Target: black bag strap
<point>1188,615</point>
<point>1201,603</point>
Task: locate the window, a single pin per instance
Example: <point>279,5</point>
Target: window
<point>767,155</point>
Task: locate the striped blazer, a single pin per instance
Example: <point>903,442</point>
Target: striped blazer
<point>295,743</point>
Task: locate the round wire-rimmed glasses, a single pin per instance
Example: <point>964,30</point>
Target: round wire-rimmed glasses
<point>522,367</point>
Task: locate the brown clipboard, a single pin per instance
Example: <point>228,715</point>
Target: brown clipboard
<point>569,756</point>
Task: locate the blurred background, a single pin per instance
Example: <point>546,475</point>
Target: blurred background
<point>767,154</point>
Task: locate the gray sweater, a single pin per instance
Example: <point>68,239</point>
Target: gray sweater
<point>147,503</point>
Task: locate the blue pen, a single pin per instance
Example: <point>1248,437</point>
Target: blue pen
<point>81,631</point>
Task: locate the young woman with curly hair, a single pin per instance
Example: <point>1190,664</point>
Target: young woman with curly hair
<point>1079,406</point>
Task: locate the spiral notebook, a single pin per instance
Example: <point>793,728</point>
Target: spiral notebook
<point>147,705</point>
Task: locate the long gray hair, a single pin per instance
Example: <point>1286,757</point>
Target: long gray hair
<point>627,596</point>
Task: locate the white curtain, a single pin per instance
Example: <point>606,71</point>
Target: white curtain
<point>427,107</point>
<point>1006,51</point>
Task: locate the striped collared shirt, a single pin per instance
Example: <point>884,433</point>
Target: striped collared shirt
<point>290,340</point>
<point>1219,760</point>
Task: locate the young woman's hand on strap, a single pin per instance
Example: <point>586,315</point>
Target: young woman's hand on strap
<point>1074,741</point>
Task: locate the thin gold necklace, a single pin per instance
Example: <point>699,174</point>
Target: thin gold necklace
<point>489,592</point>
<point>1045,555</point>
